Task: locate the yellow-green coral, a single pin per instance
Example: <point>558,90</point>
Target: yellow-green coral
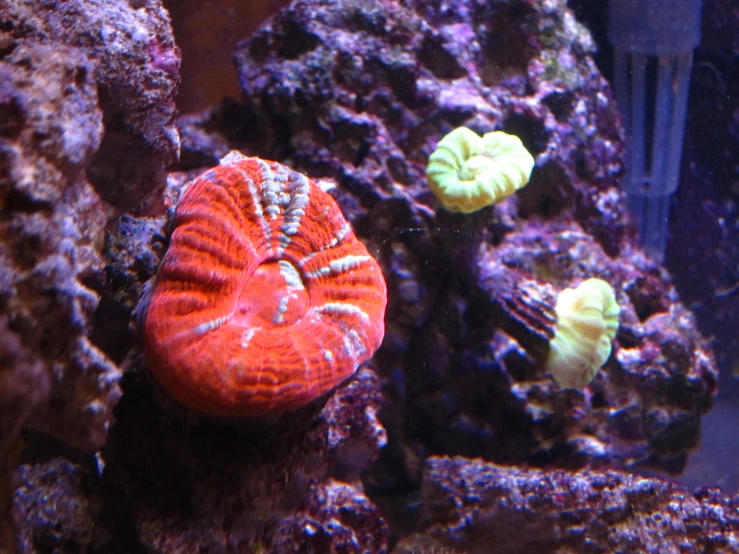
<point>468,172</point>
<point>587,321</point>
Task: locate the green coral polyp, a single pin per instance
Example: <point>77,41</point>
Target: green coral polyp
<point>587,322</point>
<point>467,172</point>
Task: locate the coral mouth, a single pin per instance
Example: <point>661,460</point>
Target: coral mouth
<point>274,296</point>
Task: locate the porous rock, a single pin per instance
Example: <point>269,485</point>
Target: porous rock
<point>57,507</point>
<point>134,63</point>
<point>24,389</point>
<point>645,406</point>
<point>361,92</point>
<point>86,111</point>
<point>51,228</point>
<point>482,507</point>
<point>195,483</point>
<point>333,518</point>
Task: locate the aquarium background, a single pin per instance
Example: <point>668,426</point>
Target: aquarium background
<point>453,437</point>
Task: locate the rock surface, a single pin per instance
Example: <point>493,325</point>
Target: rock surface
<point>59,505</point>
<point>86,89</point>
<point>134,64</point>
<point>50,263</point>
<point>481,507</point>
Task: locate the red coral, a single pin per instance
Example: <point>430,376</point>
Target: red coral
<point>265,299</point>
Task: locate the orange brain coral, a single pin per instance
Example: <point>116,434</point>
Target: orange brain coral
<point>265,299</point>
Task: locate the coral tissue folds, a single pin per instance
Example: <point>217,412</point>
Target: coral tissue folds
<point>587,322</point>
<point>265,299</point>
<point>467,172</point>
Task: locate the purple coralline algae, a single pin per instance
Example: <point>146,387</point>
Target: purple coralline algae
<point>334,518</point>
<point>643,408</point>
<point>196,484</point>
<point>363,91</point>
<point>481,507</point>
<point>52,223</point>
<point>59,506</point>
<point>24,383</point>
<point>85,87</point>
<point>133,63</point>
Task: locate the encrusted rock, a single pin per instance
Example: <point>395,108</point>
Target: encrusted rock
<point>355,434</point>
<point>133,250</point>
<point>480,507</point>
<point>134,63</point>
<point>362,92</point>
<point>57,508</point>
<point>51,229</point>
<point>24,389</point>
<point>195,483</point>
<point>86,92</point>
<point>357,94</point>
<point>334,518</point>
<point>645,405</point>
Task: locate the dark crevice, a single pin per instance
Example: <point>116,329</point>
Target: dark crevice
<point>438,60</point>
<point>532,133</point>
<point>301,41</point>
<point>362,151</point>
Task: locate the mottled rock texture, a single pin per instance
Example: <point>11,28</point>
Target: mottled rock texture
<point>643,408</point>
<point>358,93</point>
<point>480,507</point>
<point>52,226</point>
<point>254,483</point>
<point>169,481</point>
<point>86,130</point>
<point>24,383</point>
<point>362,92</point>
<point>333,518</point>
<point>134,65</point>
<point>196,484</point>
<point>59,507</point>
